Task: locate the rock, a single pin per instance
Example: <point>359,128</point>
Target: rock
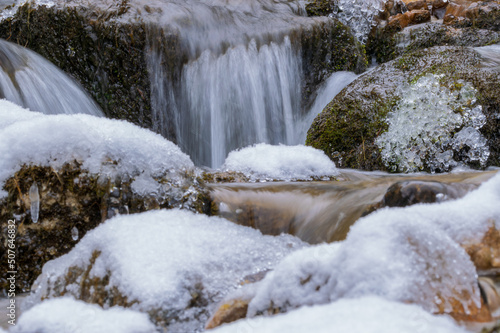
<point>72,198</point>
<point>486,253</point>
<point>387,45</point>
<point>354,128</point>
<point>228,312</point>
<point>401,21</point>
<point>477,14</point>
<point>320,7</point>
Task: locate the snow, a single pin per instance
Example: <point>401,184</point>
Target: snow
<point>402,254</point>
<point>67,315</point>
<point>367,314</point>
<point>267,162</point>
<point>159,257</point>
<point>105,146</point>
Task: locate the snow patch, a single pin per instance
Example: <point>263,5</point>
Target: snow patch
<point>66,315</point>
<point>367,314</point>
<point>264,162</point>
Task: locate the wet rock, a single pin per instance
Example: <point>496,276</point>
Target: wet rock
<point>350,130</point>
<point>478,14</point>
<point>320,7</point>
<point>412,17</point>
<point>72,202</point>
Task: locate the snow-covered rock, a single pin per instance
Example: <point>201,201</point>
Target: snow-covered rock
<point>171,264</point>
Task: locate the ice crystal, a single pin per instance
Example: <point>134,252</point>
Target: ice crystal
<point>434,127</point>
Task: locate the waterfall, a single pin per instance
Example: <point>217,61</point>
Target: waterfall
<point>30,81</point>
<point>241,81</point>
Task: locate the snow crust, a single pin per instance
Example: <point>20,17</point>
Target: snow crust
<point>366,314</point>
<point>402,254</point>
<point>160,257</point>
<point>267,162</point>
<point>105,146</point>
<point>67,315</point>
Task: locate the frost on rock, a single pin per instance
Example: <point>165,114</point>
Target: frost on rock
<point>264,162</point>
<point>409,255</point>
<point>359,15</point>
<point>172,264</point>
<point>11,10</point>
<point>432,126</point>
<point>67,315</point>
<point>367,314</point>
<point>106,147</point>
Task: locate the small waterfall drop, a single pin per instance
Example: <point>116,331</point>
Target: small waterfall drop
<point>31,81</point>
<point>241,81</point>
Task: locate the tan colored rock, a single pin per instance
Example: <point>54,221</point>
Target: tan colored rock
<point>228,312</point>
<point>478,14</point>
<point>401,21</point>
<point>486,254</point>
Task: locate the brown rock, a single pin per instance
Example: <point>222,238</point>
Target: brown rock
<point>486,254</point>
<point>228,312</point>
<point>416,5</point>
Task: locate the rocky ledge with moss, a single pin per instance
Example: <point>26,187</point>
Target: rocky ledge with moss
<point>449,95</point>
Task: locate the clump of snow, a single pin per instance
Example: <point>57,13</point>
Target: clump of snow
<point>366,314</point>
<point>105,146</point>
<point>160,258</point>
<point>67,315</point>
<point>267,162</point>
<point>432,123</point>
<point>402,254</point>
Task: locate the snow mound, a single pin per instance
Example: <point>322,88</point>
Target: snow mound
<point>402,254</point>
<point>67,315</point>
<point>162,258</point>
<point>267,162</point>
<point>367,314</point>
<point>105,146</point>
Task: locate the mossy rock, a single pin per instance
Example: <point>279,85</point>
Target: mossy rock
<point>320,7</point>
<point>105,55</point>
<point>388,43</point>
<point>71,198</point>
<point>347,129</point>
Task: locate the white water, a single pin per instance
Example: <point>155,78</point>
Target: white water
<point>31,81</point>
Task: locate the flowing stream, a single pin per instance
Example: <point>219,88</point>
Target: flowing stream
<point>31,81</point>
<point>320,212</point>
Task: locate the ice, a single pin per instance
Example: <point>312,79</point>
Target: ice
<point>407,254</point>
<point>67,315</point>
<point>268,162</point>
<point>103,146</point>
<point>366,314</point>
<point>34,202</point>
<point>160,258</point>
<point>74,233</point>
<point>359,15</point>
<point>444,121</point>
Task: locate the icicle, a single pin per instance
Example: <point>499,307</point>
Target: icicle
<point>35,202</point>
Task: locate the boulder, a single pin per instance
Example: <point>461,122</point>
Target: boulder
<point>477,14</point>
<point>359,128</point>
<point>72,202</point>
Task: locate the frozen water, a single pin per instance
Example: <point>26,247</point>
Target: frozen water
<point>359,15</point>
<point>267,162</point>
<point>34,202</point>
<point>407,254</point>
<point>160,258</point>
<point>74,233</point>
<point>67,315</point>
<point>105,146</point>
<point>366,314</point>
<point>430,124</point>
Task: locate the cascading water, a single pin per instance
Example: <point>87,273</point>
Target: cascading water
<point>241,83</point>
<point>30,81</point>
